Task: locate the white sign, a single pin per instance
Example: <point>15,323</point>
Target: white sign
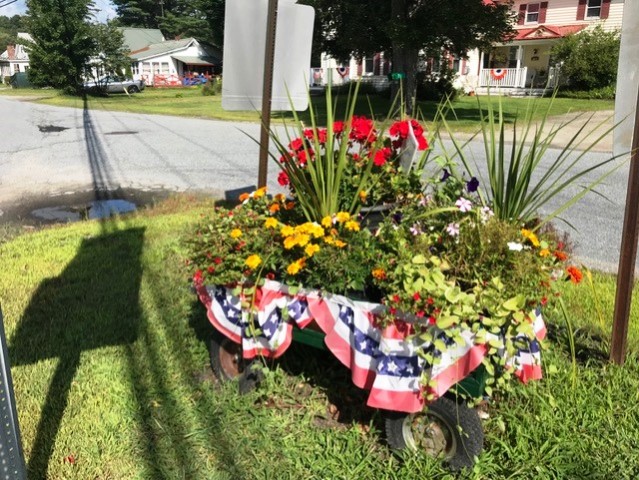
<point>627,79</point>
<point>244,45</point>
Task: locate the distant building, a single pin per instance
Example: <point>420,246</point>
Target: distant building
<point>15,59</point>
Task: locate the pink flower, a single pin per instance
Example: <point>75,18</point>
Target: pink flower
<point>452,229</point>
<point>464,205</point>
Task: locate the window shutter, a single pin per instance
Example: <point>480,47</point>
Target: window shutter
<point>542,12</point>
<point>605,9</point>
<point>522,14</point>
<point>581,9</point>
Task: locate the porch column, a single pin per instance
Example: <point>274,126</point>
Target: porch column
<point>520,55</point>
<point>481,63</point>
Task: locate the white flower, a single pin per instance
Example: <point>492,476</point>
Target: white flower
<point>516,247</point>
<point>464,205</point>
<point>453,229</point>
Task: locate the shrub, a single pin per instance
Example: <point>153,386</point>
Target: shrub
<point>436,86</point>
<point>605,93</point>
<point>589,59</point>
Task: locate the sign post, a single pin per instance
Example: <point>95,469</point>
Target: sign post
<point>627,130</point>
<point>12,466</point>
<point>267,56</point>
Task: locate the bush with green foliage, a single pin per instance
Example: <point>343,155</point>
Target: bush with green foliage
<point>212,87</point>
<point>589,59</point>
<point>605,93</point>
<point>436,86</point>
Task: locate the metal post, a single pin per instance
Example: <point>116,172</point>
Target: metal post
<point>12,466</point>
<point>267,91</point>
<point>628,255</point>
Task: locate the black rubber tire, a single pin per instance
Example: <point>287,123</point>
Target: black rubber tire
<point>456,427</point>
<point>224,352</point>
<point>132,89</point>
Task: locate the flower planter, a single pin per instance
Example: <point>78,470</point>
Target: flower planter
<point>383,360</point>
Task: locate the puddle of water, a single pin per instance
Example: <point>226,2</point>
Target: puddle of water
<point>93,210</point>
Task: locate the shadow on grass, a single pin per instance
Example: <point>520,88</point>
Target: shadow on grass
<point>92,304</point>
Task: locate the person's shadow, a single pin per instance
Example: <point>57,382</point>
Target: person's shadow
<point>92,304</point>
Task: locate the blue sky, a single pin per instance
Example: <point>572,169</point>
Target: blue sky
<point>106,10</point>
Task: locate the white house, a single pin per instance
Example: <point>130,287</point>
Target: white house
<point>175,62</point>
<point>15,59</point>
<point>525,61</point>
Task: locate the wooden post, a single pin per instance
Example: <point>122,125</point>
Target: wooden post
<point>628,254</point>
<point>267,91</point>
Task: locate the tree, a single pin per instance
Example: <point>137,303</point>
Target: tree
<point>111,57</point>
<point>203,19</point>
<point>62,43</point>
<point>589,58</point>
<point>9,28</point>
<point>406,27</point>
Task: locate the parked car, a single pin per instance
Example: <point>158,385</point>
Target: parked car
<point>114,84</point>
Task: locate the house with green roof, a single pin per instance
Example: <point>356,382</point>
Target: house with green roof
<point>161,62</point>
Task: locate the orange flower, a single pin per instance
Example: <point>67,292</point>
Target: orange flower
<point>244,197</point>
<point>379,274</point>
<point>574,274</point>
<point>362,196</point>
<point>561,256</point>
<point>289,205</point>
<point>544,252</point>
<point>274,207</point>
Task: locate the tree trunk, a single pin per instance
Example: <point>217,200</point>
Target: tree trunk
<point>404,58</point>
<point>405,61</point>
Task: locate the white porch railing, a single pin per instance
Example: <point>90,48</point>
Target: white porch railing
<point>503,77</point>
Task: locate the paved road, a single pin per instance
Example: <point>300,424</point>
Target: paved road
<point>48,150</point>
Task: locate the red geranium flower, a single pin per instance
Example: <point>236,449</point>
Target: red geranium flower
<point>338,127</point>
<point>296,144</point>
<point>283,179</point>
<point>382,156</point>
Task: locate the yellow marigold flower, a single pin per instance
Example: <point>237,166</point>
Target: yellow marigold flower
<point>362,196</point>
<point>327,221</point>
<point>287,231</point>
<point>530,236</point>
<point>379,273</point>
<point>334,232</point>
<point>290,242</point>
<point>295,267</point>
<point>329,240</point>
<point>260,192</point>
<point>544,252</point>
<point>342,217</point>
<point>311,249</point>
<point>352,225</point>
<point>317,231</point>
<point>270,223</point>
<point>340,244</point>
<point>253,261</point>
<point>236,233</point>
<point>274,207</point>
<point>280,197</point>
<point>303,239</point>
<point>244,197</point>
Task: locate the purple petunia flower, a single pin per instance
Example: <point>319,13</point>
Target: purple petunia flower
<point>472,185</point>
<point>445,176</point>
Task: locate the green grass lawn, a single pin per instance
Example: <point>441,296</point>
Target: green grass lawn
<point>190,102</point>
<point>110,366</point>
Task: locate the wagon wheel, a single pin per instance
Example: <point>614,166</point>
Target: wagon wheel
<point>445,429</point>
<point>227,364</point>
<point>226,358</point>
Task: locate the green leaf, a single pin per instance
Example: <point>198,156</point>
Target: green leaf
<point>419,259</point>
<point>446,321</point>
<point>515,303</point>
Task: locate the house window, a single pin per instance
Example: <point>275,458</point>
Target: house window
<point>164,67</point>
<point>532,13</point>
<point>593,9</point>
